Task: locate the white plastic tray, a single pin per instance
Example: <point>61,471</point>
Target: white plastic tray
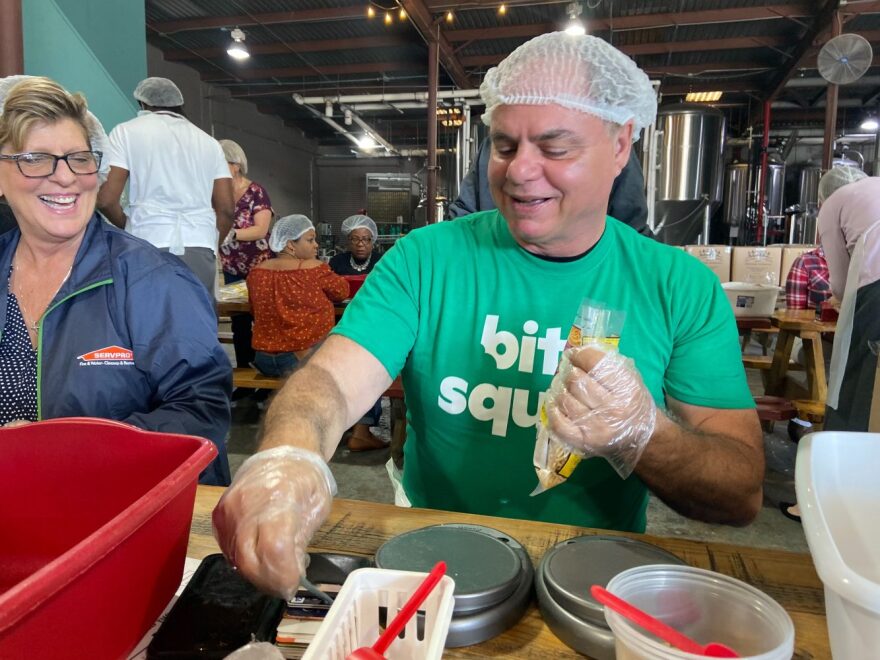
<point>372,596</point>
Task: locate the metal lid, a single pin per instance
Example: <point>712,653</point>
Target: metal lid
<point>572,567</point>
<point>483,562</point>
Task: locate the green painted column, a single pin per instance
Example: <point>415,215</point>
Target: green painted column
<point>97,47</point>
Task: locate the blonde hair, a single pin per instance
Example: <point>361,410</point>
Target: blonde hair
<point>35,100</point>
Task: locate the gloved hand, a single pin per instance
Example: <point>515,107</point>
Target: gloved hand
<point>266,518</point>
<point>598,405</point>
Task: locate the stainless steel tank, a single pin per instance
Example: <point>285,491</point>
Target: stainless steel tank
<point>774,188</point>
<point>736,192</point>
<point>689,177</point>
<point>808,186</point>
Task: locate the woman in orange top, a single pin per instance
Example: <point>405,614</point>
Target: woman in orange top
<point>291,297</point>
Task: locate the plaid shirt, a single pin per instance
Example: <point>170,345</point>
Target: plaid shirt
<point>807,285</point>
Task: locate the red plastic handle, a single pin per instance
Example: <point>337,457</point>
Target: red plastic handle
<point>410,608</point>
<point>646,621</point>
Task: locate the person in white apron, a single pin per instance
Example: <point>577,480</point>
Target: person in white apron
<point>848,232</point>
<point>180,188</point>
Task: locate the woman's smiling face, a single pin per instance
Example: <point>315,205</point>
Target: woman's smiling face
<point>55,208</point>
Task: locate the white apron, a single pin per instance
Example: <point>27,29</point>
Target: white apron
<point>843,334</point>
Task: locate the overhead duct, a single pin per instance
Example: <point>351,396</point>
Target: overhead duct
<point>390,98</point>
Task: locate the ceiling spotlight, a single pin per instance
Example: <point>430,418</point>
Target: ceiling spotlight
<point>371,13</point>
<point>870,124</point>
<point>402,14</point>
<point>367,143</point>
<point>575,27</point>
<point>449,16</point>
<point>502,9</point>
<point>237,50</point>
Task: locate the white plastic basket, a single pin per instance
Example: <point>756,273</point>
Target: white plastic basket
<point>371,596</point>
<point>751,299</point>
<point>838,490</point>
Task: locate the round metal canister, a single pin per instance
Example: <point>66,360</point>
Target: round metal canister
<point>493,575</point>
<point>563,581</point>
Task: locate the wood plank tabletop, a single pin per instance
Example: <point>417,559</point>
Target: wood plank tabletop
<point>361,527</point>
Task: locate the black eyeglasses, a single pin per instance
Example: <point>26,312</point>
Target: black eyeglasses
<point>358,240</point>
<point>37,165</point>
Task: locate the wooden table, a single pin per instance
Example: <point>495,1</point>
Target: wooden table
<point>361,527</point>
<point>803,324</point>
<point>227,307</point>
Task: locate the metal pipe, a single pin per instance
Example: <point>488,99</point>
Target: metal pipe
<point>391,97</point>
<point>765,143</point>
<point>466,139</point>
<point>11,42</point>
<point>369,129</point>
<point>875,153</point>
<point>433,75</point>
<point>320,115</point>
<point>831,105</point>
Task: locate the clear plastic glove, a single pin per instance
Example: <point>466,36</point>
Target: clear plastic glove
<point>266,518</point>
<point>598,406</point>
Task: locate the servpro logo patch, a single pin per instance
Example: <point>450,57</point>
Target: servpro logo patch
<point>110,356</point>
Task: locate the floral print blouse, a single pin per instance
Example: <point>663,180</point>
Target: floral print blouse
<point>238,257</point>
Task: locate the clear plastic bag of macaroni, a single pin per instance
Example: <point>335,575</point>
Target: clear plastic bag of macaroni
<point>595,326</point>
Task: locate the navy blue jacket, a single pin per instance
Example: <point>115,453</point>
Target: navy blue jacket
<point>131,336</point>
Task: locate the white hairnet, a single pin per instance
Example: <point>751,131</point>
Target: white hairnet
<point>837,177</point>
<point>233,153</point>
<point>97,136</point>
<point>158,92</point>
<point>353,222</point>
<point>582,73</point>
<point>288,228</point>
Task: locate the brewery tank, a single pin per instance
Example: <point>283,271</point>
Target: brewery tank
<point>736,192</point>
<point>689,176</point>
<point>775,185</point>
<point>808,186</point>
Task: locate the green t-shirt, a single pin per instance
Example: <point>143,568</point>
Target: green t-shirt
<point>477,326</point>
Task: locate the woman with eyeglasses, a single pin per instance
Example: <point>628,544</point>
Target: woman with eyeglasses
<point>93,321</point>
<point>360,234</point>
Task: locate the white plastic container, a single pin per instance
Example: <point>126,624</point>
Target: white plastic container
<point>838,491</point>
<point>355,616</point>
<point>751,299</point>
<point>704,605</point>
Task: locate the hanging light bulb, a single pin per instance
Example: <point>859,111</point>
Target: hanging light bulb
<point>575,27</point>
<point>371,13</point>
<point>388,18</point>
<point>237,50</point>
<point>502,9</point>
<point>402,14</point>
<point>449,16</point>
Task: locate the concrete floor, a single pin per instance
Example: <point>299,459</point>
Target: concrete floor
<point>362,476</point>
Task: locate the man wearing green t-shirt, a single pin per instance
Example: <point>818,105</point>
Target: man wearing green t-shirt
<point>475,314</point>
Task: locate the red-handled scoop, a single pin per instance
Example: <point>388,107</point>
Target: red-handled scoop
<point>658,628</point>
<point>399,622</point>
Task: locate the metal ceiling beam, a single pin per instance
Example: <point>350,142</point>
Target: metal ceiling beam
<point>313,46</point>
<point>640,21</point>
<point>272,18</point>
<point>820,23</point>
<point>305,71</point>
<point>428,26</point>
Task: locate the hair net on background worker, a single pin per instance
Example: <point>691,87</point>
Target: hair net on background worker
<point>582,73</point>
<point>158,92</point>
<point>353,222</point>
<point>288,228</point>
<point>233,153</point>
<point>837,177</point>
<point>97,135</point>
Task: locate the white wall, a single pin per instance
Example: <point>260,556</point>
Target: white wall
<point>279,157</point>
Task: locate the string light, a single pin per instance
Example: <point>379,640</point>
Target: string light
<point>388,19</point>
<point>402,14</point>
<point>371,13</point>
<point>449,16</point>
<point>502,9</point>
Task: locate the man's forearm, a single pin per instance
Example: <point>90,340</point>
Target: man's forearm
<point>310,412</point>
<point>115,214</point>
<point>704,474</point>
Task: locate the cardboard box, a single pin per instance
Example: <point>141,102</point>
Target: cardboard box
<point>757,265</point>
<point>789,254</point>
<point>716,257</point>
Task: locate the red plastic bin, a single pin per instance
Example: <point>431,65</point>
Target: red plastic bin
<point>355,282</point>
<point>95,518</point>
